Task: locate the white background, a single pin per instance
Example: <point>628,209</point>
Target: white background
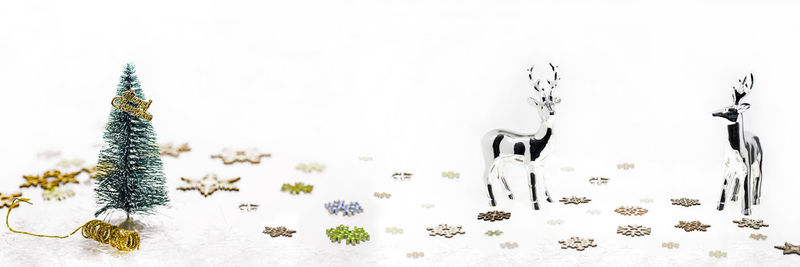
<point>415,84</point>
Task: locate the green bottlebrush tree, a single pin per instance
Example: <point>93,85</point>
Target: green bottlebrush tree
<point>130,172</point>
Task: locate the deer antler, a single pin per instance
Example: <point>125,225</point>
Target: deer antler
<point>555,80</point>
<point>545,92</point>
<point>743,89</point>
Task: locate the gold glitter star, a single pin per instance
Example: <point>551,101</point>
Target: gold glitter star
<point>41,180</point>
<point>7,200</point>
<point>209,184</point>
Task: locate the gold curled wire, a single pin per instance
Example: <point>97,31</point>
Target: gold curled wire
<point>100,231</point>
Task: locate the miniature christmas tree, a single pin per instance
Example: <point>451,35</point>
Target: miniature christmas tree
<point>130,176</point>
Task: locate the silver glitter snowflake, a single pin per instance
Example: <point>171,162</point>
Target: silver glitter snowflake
<point>633,230</point>
<point>577,243</point>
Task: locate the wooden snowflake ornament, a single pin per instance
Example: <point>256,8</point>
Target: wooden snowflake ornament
<point>577,243</point>
<point>574,200</point>
<point>628,211</point>
<point>209,184</point>
<point>494,215</point>
<point>278,231</point>
<point>252,155</point>
<point>686,202</point>
<point>692,226</point>
<point>633,230</point>
<point>445,230</point>
<point>751,223</point>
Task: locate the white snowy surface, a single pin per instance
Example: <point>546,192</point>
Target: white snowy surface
<point>414,84</point>
<point>212,231</point>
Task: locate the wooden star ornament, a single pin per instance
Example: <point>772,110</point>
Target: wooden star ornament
<point>208,184</point>
<point>788,248</point>
<point>252,155</point>
<point>172,150</point>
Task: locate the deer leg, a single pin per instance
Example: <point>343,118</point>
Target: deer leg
<point>747,187</point>
<point>543,182</point>
<point>501,167</point>
<point>747,200</point>
<point>490,167</point>
<point>725,188</point>
<point>757,187</point>
<point>756,169</point>
<point>532,184</point>
<point>735,193</point>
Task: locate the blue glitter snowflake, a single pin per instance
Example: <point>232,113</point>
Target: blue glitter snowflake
<point>347,209</point>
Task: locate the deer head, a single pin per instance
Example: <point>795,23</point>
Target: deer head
<point>733,112</point>
<point>543,96</point>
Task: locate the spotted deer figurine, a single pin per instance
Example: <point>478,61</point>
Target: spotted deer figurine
<point>503,146</point>
<point>743,165</point>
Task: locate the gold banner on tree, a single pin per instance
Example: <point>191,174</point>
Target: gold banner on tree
<point>128,102</point>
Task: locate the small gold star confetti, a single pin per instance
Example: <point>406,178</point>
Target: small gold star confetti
<point>7,200</point>
<point>415,254</point>
<point>394,230</point>
<point>451,175</point>
<point>208,184</point>
<point>574,200</point>
<point>758,236</point>
<point>382,195</point>
<point>66,163</point>
<point>229,156</point>
<point>310,167</point>
<point>692,226</point>
<point>718,254</point>
<point>57,193</point>
<point>509,245</point>
<point>172,150</point>
<point>670,245</point>
<point>625,166</point>
<point>493,233</point>
<point>751,223</point>
<point>788,248</point>
<point>43,181</point>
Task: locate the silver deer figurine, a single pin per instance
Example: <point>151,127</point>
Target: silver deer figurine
<point>502,146</point>
<point>744,156</point>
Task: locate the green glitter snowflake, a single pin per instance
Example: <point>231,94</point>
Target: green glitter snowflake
<point>352,237</point>
<point>297,188</point>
